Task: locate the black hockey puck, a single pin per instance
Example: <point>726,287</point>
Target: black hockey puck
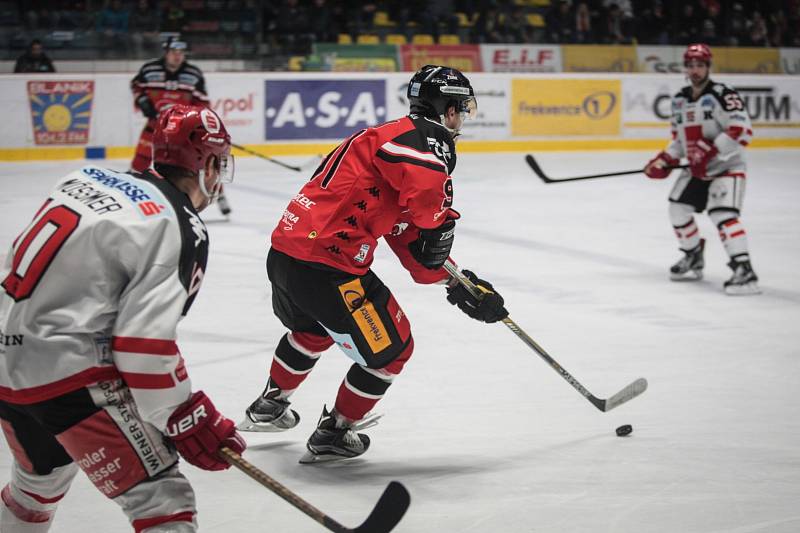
<point>624,431</point>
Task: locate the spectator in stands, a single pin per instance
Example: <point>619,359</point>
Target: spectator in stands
<point>613,27</point>
<point>439,13</point>
<point>737,26</point>
<point>583,24</point>
<point>144,29</point>
<point>173,18</point>
<point>516,26</point>
<point>687,25</point>
<point>653,25</point>
<point>323,24</point>
<point>758,30</point>
<point>292,27</point>
<point>558,22</point>
<point>34,59</point>
<point>778,29</point>
<point>112,26</point>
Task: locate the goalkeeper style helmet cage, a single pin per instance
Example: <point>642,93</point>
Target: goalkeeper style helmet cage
<point>186,135</point>
<point>433,89</point>
<point>698,52</point>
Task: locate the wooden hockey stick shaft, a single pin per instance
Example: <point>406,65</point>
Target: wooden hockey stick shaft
<point>268,158</point>
<point>544,177</point>
<point>385,515</point>
<point>629,392</point>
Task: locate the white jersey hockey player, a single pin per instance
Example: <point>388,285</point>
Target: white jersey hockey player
<point>711,128</point>
<point>90,373</point>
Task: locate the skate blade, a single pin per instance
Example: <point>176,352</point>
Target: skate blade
<point>262,427</point>
<point>742,290</point>
<point>312,458</point>
<point>692,275</point>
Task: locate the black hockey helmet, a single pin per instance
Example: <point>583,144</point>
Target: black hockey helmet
<point>433,89</point>
<point>174,42</point>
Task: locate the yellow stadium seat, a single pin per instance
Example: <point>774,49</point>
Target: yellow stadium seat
<point>396,38</point>
<point>463,20</point>
<point>368,38</point>
<point>296,63</point>
<point>422,38</point>
<point>344,38</point>
<point>449,38</point>
<point>541,3</point>
<point>535,20</point>
<point>382,19</point>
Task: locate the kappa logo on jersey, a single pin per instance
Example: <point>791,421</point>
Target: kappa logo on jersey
<point>322,109</point>
<point>441,149</point>
<point>197,226</point>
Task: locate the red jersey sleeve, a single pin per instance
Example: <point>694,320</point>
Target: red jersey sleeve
<point>404,233</point>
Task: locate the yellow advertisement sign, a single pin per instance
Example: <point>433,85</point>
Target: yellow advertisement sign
<point>599,58</point>
<point>565,107</point>
<point>746,60</point>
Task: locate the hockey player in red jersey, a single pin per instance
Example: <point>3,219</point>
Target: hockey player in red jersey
<point>160,84</point>
<point>92,378</point>
<point>391,181</point>
<point>710,127</point>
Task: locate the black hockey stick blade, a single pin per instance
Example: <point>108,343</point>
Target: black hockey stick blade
<point>390,508</point>
<point>268,158</point>
<point>539,172</point>
<point>626,394</point>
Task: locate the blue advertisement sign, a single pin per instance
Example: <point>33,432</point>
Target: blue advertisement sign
<point>322,108</point>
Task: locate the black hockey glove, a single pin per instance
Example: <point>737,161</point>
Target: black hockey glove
<point>489,308</point>
<point>147,107</point>
<point>432,247</point>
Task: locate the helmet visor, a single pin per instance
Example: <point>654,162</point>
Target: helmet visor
<point>469,107</point>
<point>227,166</point>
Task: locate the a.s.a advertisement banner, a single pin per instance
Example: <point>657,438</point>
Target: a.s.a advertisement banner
<point>570,107</point>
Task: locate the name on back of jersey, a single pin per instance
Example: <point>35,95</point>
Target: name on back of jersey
<point>94,193</point>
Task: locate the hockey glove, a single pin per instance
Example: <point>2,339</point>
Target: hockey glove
<point>489,308</point>
<point>199,431</point>
<point>700,153</point>
<point>432,247</point>
<point>657,168</point>
<point>147,107</point>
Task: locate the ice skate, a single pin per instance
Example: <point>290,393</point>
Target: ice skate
<point>743,281</point>
<point>334,440</point>
<point>268,413</point>
<point>690,267</point>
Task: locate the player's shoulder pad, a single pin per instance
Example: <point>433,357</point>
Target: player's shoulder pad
<point>685,92</point>
<point>726,95</point>
<point>434,137</point>
<point>193,69</point>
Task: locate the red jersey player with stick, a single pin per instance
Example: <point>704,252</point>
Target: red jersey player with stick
<point>391,181</point>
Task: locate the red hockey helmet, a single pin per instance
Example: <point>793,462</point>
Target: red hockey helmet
<point>186,135</point>
<point>699,52</point>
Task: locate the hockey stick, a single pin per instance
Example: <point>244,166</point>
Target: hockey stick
<point>628,393</point>
<point>384,517</point>
<point>268,158</point>
<point>545,178</point>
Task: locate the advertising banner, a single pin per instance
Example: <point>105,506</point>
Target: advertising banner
<point>61,111</point>
<point>565,107</point>
<point>661,59</point>
<point>747,60</point>
<point>352,58</point>
<point>520,58</point>
<point>790,60</point>
<point>239,100</point>
<point>323,108</point>
<point>464,57</point>
<point>599,58</point>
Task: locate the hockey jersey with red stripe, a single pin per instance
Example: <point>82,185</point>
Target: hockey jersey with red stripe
<point>94,288</point>
<point>386,181</point>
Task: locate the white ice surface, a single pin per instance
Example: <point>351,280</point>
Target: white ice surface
<point>484,434</point>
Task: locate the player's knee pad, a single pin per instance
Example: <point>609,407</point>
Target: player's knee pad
<point>30,500</point>
<point>163,504</point>
<point>680,214</point>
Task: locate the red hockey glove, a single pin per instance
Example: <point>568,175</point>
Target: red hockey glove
<point>489,308</point>
<point>699,153</point>
<point>657,167</point>
<point>199,431</point>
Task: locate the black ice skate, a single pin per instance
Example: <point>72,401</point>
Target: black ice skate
<point>224,206</point>
<point>335,440</point>
<point>268,413</point>
<point>743,281</point>
<point>690,267</point>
